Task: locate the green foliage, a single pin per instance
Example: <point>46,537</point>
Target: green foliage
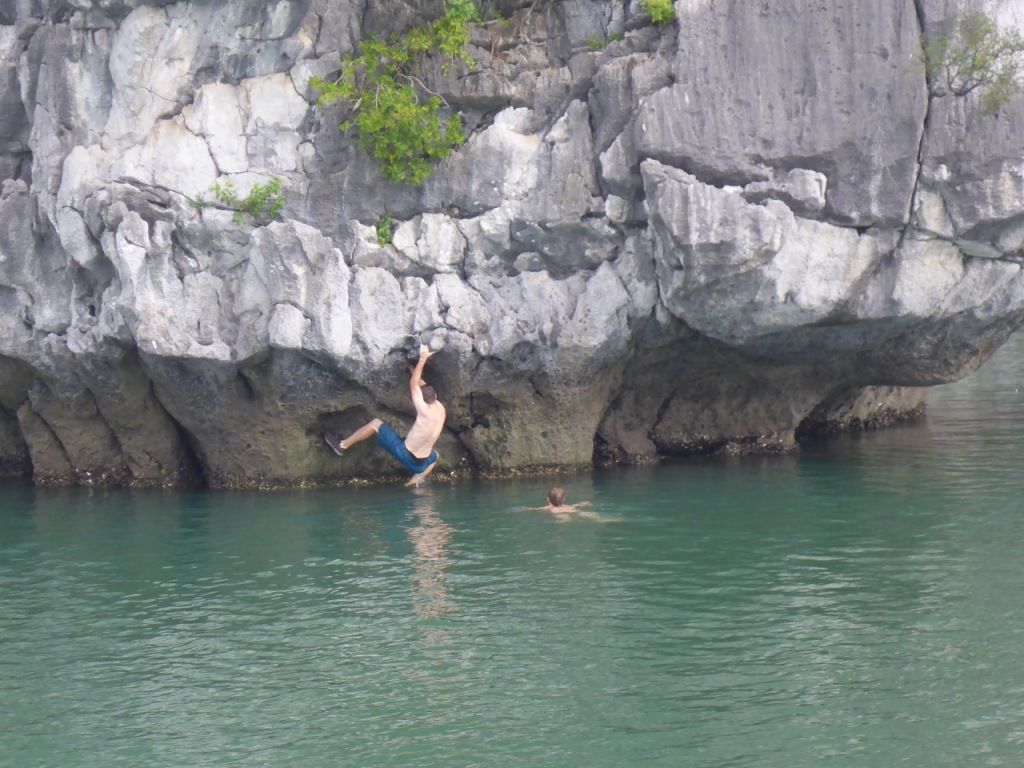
<point>661,12</point>
<point>401,129</point>
<point>598,43</point>
<point>263,200</point>
<point>462,11</point>
<point>385,229</point>
<point>976,56</point>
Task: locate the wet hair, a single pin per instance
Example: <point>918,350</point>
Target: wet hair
<point>556,496</point>
<point>429,393</point>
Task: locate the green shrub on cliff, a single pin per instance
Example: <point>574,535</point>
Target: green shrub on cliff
<point>976,56</point>
<point>661,12</point>
<point>396,123</point>
<point>385,229</point>
<point>263,200</point>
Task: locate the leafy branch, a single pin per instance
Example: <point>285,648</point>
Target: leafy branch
<point>976,56</point>
<point>263,200</point>
<point>400,128</point>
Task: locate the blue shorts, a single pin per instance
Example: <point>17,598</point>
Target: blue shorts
<point>391,442</point>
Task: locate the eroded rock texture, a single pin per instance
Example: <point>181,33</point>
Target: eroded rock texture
<point>701,237</point>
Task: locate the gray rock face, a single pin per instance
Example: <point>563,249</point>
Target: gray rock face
<point>715,236</point>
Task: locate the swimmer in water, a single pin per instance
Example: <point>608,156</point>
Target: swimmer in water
<point>556,505</point>
<point>556,501</point>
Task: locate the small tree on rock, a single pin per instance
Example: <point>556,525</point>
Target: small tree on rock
<point>976,56</point>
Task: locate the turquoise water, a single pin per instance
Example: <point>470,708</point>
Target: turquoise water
<point>858,604</point>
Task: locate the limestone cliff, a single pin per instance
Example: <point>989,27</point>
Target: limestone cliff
<point>655,240</point>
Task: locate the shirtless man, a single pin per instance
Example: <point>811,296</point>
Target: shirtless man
<point>556,502</point>
<point>416,453</point>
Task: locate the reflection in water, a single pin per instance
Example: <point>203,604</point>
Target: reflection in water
<point>431,560</point>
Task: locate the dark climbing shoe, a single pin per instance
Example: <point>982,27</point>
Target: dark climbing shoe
<point>334,441</point>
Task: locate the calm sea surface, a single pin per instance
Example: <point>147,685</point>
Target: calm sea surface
<point>859,604</point>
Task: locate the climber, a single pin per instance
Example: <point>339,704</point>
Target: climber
<point>416,453</point>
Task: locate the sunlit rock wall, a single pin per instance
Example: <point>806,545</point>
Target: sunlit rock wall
<point>702,237</point>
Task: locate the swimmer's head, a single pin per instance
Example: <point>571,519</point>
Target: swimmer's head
<point>556,496</point>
